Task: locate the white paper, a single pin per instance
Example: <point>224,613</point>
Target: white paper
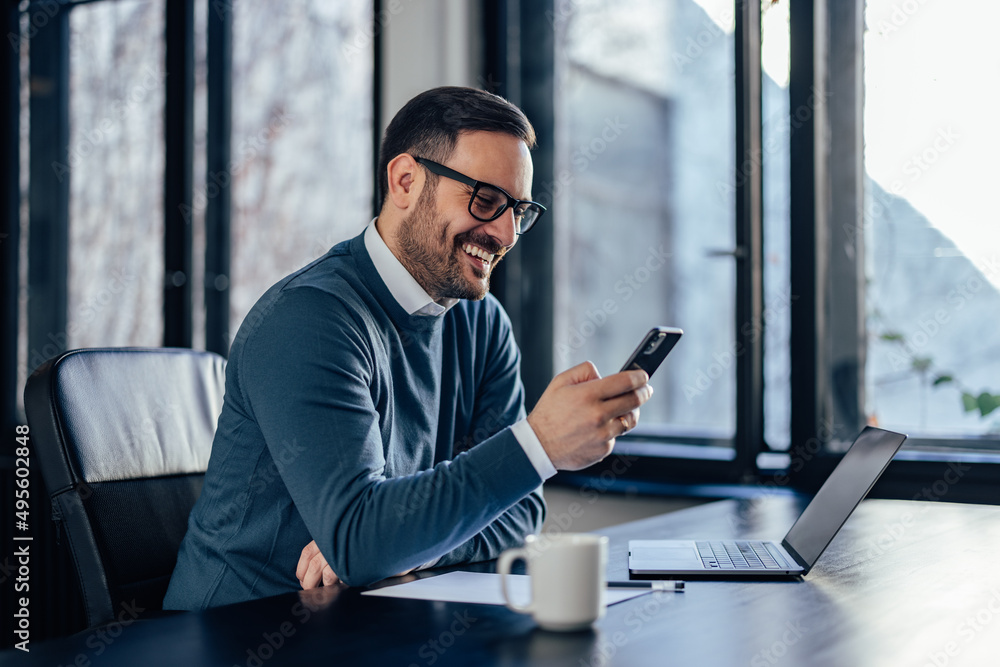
<point>480,588</point>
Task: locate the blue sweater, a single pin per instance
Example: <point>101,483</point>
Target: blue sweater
<point>383,436</point>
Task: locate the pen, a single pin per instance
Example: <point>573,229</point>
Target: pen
<point>671,585</point>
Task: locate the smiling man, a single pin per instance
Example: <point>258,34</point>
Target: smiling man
<point>373,420</point>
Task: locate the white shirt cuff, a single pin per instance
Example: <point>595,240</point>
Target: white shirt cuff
<point>532,446</point>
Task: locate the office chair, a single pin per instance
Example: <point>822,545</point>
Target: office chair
<point>122,437</point>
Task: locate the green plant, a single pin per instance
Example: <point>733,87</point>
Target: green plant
<point>984,402</point>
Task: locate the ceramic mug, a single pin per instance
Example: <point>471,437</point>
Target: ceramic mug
<point>568,579</point>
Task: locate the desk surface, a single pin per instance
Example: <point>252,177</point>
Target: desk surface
<point>904,583</point>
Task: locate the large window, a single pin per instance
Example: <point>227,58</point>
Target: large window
<point>931,232</point>
<point>93,158</point>
<point>116,230</point>
<point>644,201</point>
<point>885,248</point>
<point>114,163</point>
<point>301,140</point>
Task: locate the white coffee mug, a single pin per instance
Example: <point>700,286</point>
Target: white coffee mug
<point>568,579</point>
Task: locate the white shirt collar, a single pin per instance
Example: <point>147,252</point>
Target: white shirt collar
<point>402,285</point>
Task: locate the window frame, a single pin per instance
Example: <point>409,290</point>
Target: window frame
<point>827,36</point>
<point>519,63</point>
<point>826,44</point>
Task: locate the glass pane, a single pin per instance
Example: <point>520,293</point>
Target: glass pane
<point>198,167</point>
<point>23,47</point>
<point>644,200</point>
<point>115,166</point>
<point>302,137</point>
<point>933,257</point>
<point>777,316</point>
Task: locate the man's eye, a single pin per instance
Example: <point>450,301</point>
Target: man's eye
<point>486,203</point>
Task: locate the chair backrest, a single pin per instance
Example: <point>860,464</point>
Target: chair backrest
<point>122,437</point>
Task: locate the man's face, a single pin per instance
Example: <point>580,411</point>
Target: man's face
<point>449,252</point>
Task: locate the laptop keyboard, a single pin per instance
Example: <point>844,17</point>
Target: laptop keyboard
<point>736,555</point>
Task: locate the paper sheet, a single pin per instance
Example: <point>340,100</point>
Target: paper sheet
<point>480,588</point>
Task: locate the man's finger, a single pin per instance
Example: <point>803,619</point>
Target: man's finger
<point>329,576</point>
<point>314,573</point>
<point>618,384</point>
<point>625,403</point>
<point>584,372</point>
<point>305,558</point>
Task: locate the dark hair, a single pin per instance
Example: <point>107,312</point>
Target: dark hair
<point>428,125</point>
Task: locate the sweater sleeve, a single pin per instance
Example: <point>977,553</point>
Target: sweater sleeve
<point>499,404</point>
<point>306,372</point>
<point>508,531</point>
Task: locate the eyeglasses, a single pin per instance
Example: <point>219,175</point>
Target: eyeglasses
<point>488,202</point>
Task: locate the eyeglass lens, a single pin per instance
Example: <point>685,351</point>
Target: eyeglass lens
<point>488,203</point>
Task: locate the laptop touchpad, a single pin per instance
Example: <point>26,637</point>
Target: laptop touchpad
<point>673,556</point>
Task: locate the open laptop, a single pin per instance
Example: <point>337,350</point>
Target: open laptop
<point>813,531</point>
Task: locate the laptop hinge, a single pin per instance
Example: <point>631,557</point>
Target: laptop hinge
<point>799,560</point>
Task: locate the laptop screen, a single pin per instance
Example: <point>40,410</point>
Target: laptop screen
<point>846,486</point>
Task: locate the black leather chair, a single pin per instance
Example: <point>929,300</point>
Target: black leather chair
<point>122,437</point>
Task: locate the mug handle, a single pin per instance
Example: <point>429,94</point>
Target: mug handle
<point>507,559</point>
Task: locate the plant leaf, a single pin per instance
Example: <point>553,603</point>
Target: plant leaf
<point>969,402</point>
<point>921,364</point>
<point>943,379</point>
<point>987,403</point>
<point>892,336</point>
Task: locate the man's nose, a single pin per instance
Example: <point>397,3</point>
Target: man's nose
<point>504,228</point>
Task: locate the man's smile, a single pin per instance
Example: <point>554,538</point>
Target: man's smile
<point>481,253</point>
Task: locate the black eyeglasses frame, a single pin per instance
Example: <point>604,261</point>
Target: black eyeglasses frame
<point>512,202</point>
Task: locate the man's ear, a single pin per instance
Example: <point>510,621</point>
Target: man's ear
<point>406,180</point>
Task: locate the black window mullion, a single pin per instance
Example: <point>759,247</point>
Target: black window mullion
<point>807,211</point>
<point>749,436</point>
<point>10,113</point>
<point>178,174</point>
<point>377,60</point>
<point>501,75</point>
<point>532,275</point>
<point>48,188</point>
<point>846,339</point>
<point>218,213</point>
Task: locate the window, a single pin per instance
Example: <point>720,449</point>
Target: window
<point>933,260</point>
<point>644,202</point>
<point>114,163</point>
<point>301,141</point>
<point>895,289</point>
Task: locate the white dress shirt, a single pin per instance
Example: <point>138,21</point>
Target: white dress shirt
<point>416,301</point>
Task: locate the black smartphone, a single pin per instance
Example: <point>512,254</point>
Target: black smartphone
<point>653,349</point>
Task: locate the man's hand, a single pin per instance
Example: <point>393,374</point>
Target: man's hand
<point>580,414</point>
<point>313,568</point>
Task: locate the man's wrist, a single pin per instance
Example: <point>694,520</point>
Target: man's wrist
<point>532,446</point>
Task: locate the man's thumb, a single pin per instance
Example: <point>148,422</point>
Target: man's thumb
<point>580,373</point>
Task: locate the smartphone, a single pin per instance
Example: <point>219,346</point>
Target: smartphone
<point>653,349</point>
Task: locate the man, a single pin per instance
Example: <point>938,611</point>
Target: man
<point>373,421</point>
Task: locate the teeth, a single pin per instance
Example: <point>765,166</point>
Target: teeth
<point>476,251</point>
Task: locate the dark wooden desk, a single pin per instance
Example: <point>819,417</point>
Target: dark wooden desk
<point>905,583</point>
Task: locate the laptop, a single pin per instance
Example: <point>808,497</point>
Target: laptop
<point>812,532</point>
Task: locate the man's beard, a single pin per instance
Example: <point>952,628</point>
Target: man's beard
<point>437,262</point>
